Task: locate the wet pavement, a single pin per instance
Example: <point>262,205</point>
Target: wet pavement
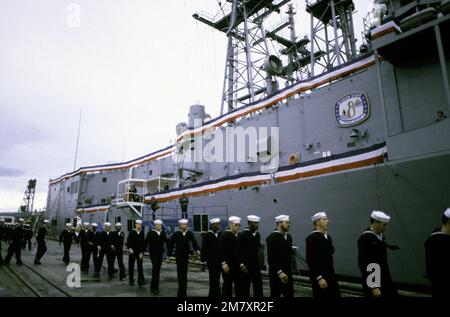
<point>52,274</point>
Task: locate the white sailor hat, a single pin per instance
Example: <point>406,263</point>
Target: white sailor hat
<point>68,224</point>
<point>138,221</point>
<point>2,219</point>
<point>94,224</point>
<point>118,224</point>
<point>282,218</point>
<point>21,219</point>
<point>234,219</point>
<point>447,213</point>
<point>214,220</point>
<point>107,224</point>
<point>46,221</point>
<point>157,222</point>
<point>182,221</point>
<point>253,218</point>
<point>318,216</point>
<point>380,216</point>
<point>86,224</point>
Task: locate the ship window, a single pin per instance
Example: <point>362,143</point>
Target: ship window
<point>129,225</point>
<point>68,189</point>
<point>67,220</point>
<point>150,172</point>
<point>103,200</point>
<point>200,223</point>
<point>117,219</point>
<point>104,179</point>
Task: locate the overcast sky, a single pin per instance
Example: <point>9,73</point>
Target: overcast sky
<point>133,67</point>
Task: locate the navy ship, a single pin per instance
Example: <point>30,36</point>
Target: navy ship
<point>307,124</point>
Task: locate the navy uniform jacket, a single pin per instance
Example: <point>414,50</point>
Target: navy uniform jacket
<point>105,240</point>
<point>319,255</point>
<point>228,249</point>
<point>118,238</point>
<point>136,241</point>
<point>155,242</point>
<point>248,246</point>
<point>41,235</point>
<point>66,237</point>
<point>373,250</point>
<point>437,262</point>
<point>182,244</point>
<point>279,252</point>
<point>210,247</point>
<point>83,238</point>
<point>92,238</point>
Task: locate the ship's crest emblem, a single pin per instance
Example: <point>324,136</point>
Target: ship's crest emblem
<point>352,109</point>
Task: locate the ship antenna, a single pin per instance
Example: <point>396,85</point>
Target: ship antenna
<point>78,138</point>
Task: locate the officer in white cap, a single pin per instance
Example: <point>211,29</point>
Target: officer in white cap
<point>319,256</point>
<point>437,258</point>
<point>279,256</point>
<point>229,259</point>
<point>182,240</point>
<point>210,255</point>
<point>372,249</point>
<point>84,246</point>
<point>118,238</point>
<point>136,248</point>
<point>66,238</point>
<point>155,241</point>
<point>105,247</point>
<point>41,245</point>
<point>248,250</point>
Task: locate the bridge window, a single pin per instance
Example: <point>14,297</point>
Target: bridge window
<point>104,179</point>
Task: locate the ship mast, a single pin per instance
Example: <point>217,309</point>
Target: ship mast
<point>250,70</point>
<point>332,34</point>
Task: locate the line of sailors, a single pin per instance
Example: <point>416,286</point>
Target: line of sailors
<point>18,236</point>
<point>234,254</point>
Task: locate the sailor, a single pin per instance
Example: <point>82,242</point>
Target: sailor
<point>136,248</point>
<point>184,202</point>
<point>27,235</point>
<point>155,240</point>
<point>105,247</point>
<point>117,240</point>
<point>372,249</point>
<point>66,239</point>
<point>41,245</point>
<point>133,191</point>
<point>210,255</point>
<point>228,258</point>
<point>84,245</point>
<point>248,247</point>
<point>16,238</point>
<point>92,242</point>
<point>279,258</point>
<point>319,256</point>
<point>437,258</point>
<point>154,206</point>
<point>182,240</point>
<point>2,237</point>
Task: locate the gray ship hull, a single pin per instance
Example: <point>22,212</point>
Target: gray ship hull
<point>414,192</point>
